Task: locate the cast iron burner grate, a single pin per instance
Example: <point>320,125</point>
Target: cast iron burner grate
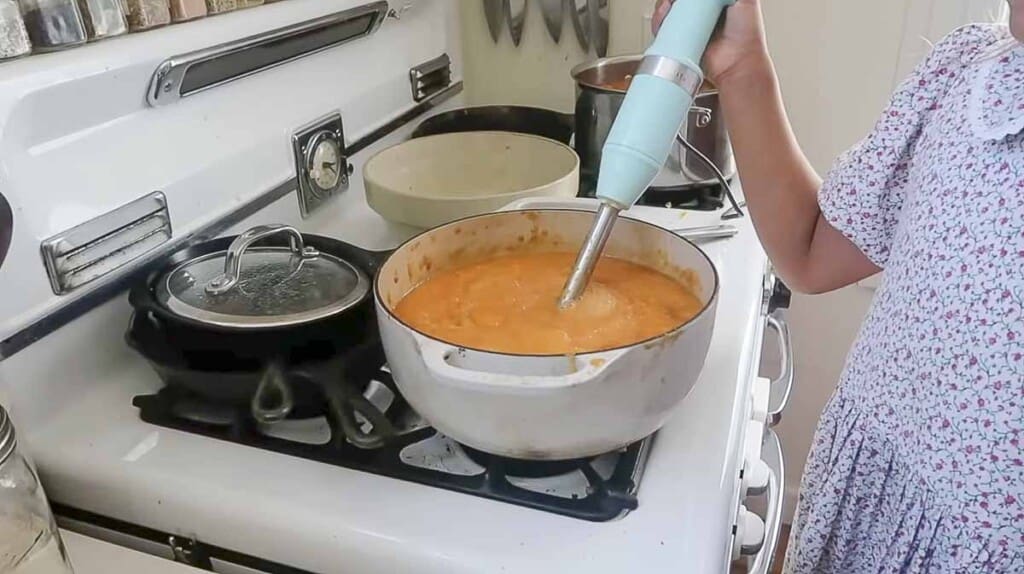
<point>701,198</point>
<point>598,490</point>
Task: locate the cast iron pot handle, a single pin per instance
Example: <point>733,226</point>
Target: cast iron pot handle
<point>377,436</point>
<point>343,402</point>
<point>273,401</point>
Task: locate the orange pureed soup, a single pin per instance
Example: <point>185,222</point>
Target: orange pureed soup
<point>509,304</point>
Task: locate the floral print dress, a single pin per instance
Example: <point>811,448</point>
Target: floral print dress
<point>918,465</point>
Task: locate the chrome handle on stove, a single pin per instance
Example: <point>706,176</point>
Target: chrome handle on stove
<point>765,552</point>
<point>233,258</point>
<point>707,232</point>
<point>781,386</point>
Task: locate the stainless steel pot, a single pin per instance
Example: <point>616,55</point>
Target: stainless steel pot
<point>600,90</point>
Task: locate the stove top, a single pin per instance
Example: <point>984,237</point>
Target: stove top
<point>709,197</point>
<point>596,489</point>
<point>701,198</point>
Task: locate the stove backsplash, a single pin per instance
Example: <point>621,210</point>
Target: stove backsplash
<point>80,140</point>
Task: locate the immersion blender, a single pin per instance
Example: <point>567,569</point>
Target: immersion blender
<point>656,104</point>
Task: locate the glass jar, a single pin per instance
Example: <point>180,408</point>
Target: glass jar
<point>53,24</point>
<point>29,540</point>
<point>103,18</point>
<point>221,6</point>
<point>183,10</point>
<point>147,14</point>
<point>14,40</point>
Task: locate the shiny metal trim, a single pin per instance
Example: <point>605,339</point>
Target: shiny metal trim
<point>430,77</point>
<point>116,285</point>
<point>165,86</point>
<point>8,440</point>
<point>683,75</point>
<point>304,140</point>
<point>104,244</point>
<point>781,386</point>
<point>773,457</point>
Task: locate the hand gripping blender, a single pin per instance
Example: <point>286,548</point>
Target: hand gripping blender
<point>654,109</point>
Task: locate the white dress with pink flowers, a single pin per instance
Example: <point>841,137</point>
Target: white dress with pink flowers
<point>918,465</point>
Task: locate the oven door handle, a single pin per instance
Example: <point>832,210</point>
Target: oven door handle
<point>772,456</point>
<point>781,386</point>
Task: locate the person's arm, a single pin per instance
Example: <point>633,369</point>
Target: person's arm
<point>779,184</point>
<point>781,187</point>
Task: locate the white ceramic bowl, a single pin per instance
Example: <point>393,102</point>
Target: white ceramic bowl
<point>430,181</point>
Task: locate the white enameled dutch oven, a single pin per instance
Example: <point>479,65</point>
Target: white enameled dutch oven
<point>544,407</point>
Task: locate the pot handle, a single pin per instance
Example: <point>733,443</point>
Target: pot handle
<point>437,357</point>
<point>273,401</point>
<point>735,206</point>
<point>233,258</point>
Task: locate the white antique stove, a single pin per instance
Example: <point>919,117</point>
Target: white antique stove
<point>117,154</point>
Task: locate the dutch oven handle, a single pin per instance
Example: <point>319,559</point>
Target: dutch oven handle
<point>438,356</point>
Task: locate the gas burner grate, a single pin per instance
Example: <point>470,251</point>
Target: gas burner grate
<point>598,490</point>
<point>702,198</point>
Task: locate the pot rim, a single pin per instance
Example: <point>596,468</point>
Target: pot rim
<point>401,192</point>
<point>708,306</point>
<point>707,88</point>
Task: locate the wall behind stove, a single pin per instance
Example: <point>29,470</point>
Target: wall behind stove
<point>537,71</point>
<point>835,85</point>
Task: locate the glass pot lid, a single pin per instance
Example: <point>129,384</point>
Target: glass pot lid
<point>249,287</point>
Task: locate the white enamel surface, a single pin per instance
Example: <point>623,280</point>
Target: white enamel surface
<point>92,556</point>
<point>433,180</point>
<point>70,394</point>
<point>556,407</point>
<point>78,139</point>
<point>77,420</point>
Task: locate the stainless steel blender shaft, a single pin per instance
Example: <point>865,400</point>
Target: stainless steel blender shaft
<point>590,253</point>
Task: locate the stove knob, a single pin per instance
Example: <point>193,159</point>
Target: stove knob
<point>760,399</point>
<point>780,298</point>
<point>749,534</point>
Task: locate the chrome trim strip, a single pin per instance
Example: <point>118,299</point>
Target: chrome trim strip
<point>166,84</point>
<point>430,77</point>
<point>683,75</point>
<point>118,284</point>
<point>106,243</point>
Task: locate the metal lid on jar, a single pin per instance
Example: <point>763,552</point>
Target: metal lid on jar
<point>249,287</point>
<point>7,439</point>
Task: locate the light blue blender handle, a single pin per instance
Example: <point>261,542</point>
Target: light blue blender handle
<point>657,102</point>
